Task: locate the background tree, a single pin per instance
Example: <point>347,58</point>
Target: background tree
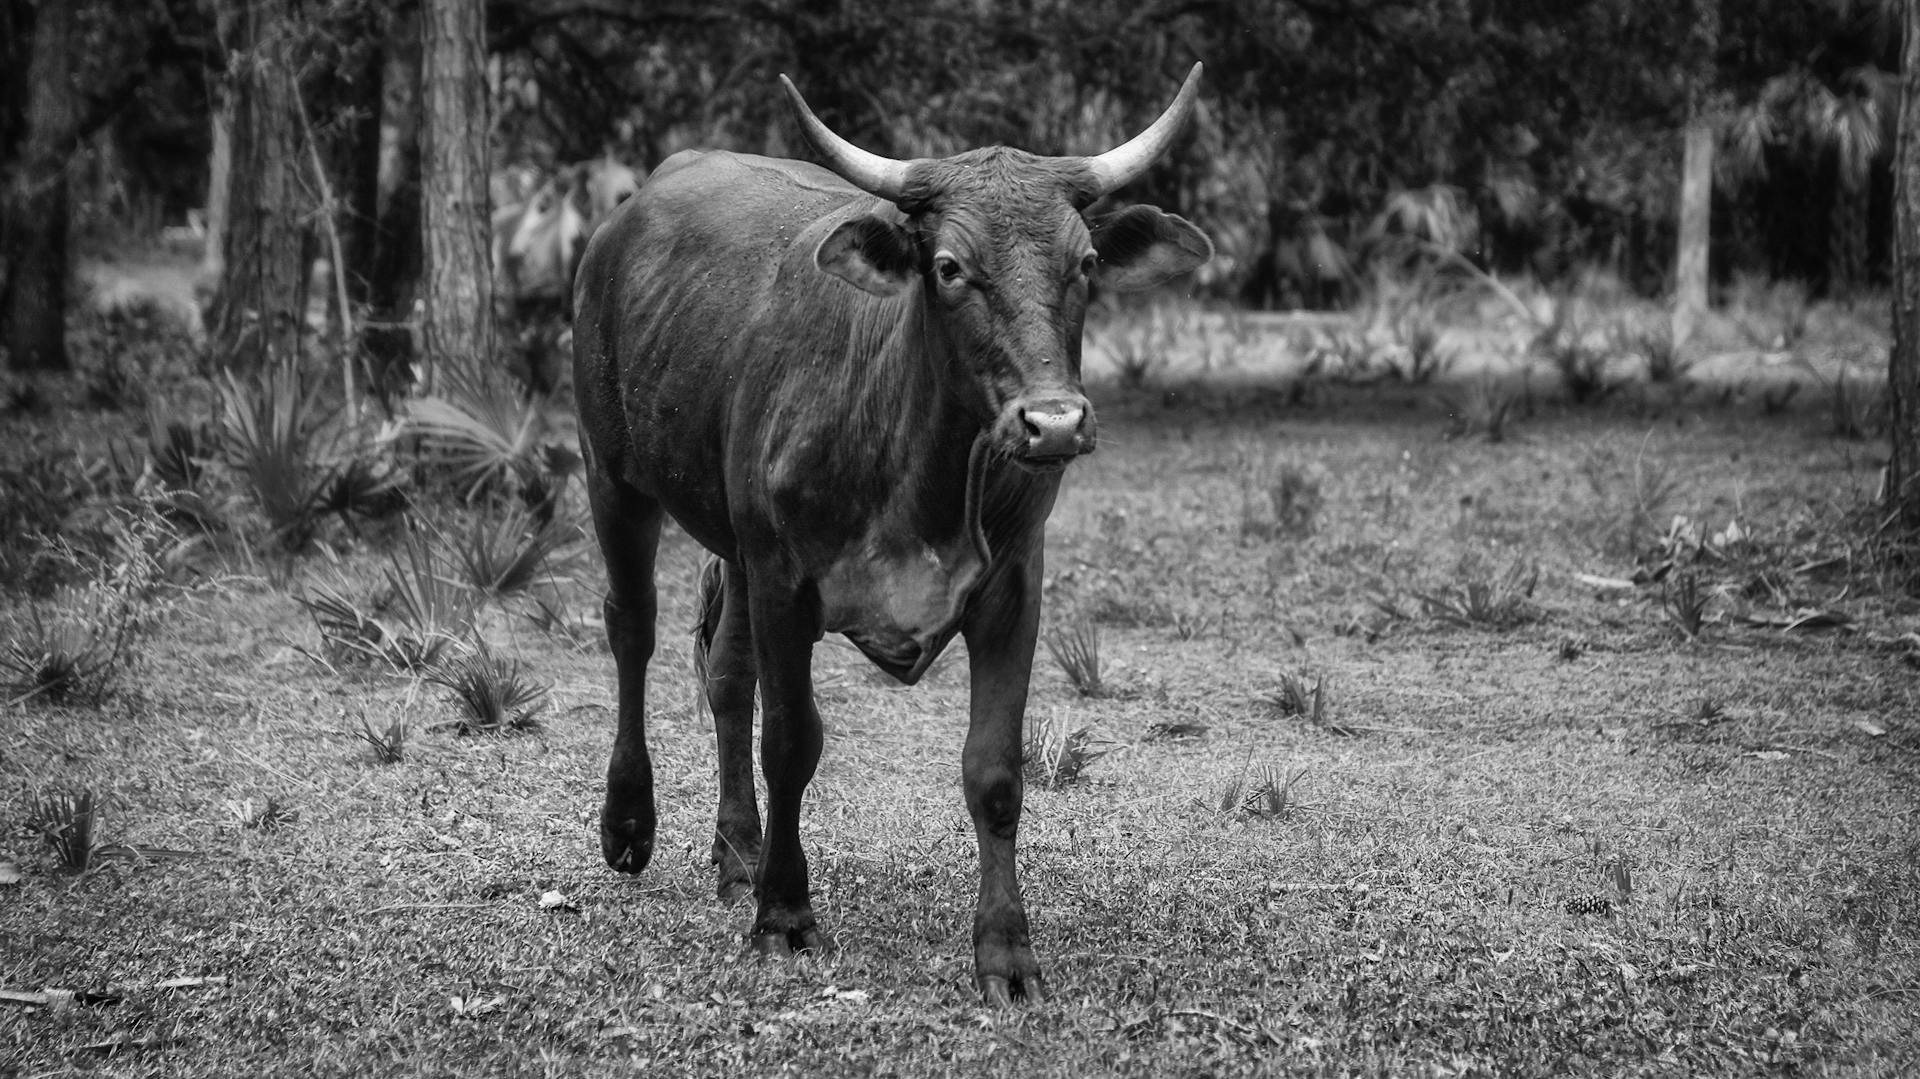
<point>1692,256</point>
<point>34,220</point>
<point>258,313</point>
<point>1903,378</point>
<point>454,165</point>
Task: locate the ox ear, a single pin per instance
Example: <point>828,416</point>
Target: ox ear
<point>1141,246</point>
<point>870,253</point>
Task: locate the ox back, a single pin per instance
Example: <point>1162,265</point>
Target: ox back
<point>858,387</point>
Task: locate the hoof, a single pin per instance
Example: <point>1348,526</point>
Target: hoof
<point>779,944</point>
<point>998,992</point>
<point>626,842</point>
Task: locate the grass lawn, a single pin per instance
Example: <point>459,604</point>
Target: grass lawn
<point>1394,771</point>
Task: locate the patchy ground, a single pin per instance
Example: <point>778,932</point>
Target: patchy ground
<point>1407,764</point>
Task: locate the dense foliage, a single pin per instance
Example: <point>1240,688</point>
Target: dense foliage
<point>1533,135</point>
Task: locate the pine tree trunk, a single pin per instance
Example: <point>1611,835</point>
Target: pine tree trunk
<point>1696,214</point>
<point>1696,179</point>
<point>459,302</point>
<point>394,278</point>
<point>260,312</point>
<point>213,253</point>
<point>359,168</point>
<point>34,307</point>
<point>1903,364</point>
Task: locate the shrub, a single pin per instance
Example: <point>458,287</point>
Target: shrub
<point>1478,596</point>
<point>1076,649</point>
<point>489,437</point>
<point>1485,407</point>
<point>390,745</point>
<point>1058,757</point>
<point>1685,601</point>
<point>1267,794</point>
<point>1279,500</point>
<point>494,693</point>
<point>1653,341</point>
<point>71,646</point>
<point>273,435</point>
<point>1582,366</point>
<point>65,821</point>
<point>504,555</point>
<point>1294,696</point>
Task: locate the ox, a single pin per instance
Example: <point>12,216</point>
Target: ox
<point>537,243</point>
<point>858,388</point>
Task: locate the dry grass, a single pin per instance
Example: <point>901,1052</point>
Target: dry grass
<point>1511,865</point>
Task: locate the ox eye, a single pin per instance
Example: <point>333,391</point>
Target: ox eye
<point>947,269</point>
<point>1088,263</point>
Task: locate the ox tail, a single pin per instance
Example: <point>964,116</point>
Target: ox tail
<point>712,592</point>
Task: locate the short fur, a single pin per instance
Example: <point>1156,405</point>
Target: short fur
<point>862,410</point>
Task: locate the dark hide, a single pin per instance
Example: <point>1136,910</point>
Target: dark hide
<point>863,409</point>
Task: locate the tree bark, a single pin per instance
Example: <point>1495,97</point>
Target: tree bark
<point>213,253</point>
<point>34,306</point>
<point>1690,275</point>
<point>394,278</point>
<point>260,312</point>
<point>459,300</point>
<point>1903,362</point>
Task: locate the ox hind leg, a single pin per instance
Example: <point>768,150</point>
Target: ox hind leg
<point>628,525</point>
<point>723,660</point>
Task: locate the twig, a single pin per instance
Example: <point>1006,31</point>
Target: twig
<point>327,206</point>
<point>398,907</point>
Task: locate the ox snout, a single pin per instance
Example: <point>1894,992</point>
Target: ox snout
<point>1049,432</point>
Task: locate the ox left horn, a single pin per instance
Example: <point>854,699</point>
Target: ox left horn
<point>1115,168</point>
<point>885,177</point>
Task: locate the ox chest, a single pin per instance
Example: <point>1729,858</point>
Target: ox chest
<point>898,582</point>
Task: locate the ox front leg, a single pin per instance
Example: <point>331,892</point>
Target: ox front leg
<point>786,623</point>
<point>1000,631</point>
<point>628,525</point>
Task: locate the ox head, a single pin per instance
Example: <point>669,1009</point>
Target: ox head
<point>537,244</point>
<point>998,242</point>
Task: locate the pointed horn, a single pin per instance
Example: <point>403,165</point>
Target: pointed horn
<point>1117,166</point>
<point>876,175</point>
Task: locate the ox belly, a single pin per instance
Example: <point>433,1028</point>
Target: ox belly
<point>900,602</point>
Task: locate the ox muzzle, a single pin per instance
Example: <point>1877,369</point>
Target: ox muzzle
<point>1044,433</point>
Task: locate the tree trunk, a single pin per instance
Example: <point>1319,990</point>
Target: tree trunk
<point>34,307</point>
<point>1696,179</point>
<point>459,307</point>
<point>213,253</point>
<point>359,157</point>
<point>1696,214</point>
<point>260,313</point>
<point>394,278</point>
<point>16,65</point>
<point>1903,363</point>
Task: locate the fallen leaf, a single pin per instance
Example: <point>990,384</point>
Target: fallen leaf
<point>556,901</point>
<point>10,873</point>
<point>1872,730</point>
<point>1766,754</point>
<point>1605,584</point>
<point>468,1007</point>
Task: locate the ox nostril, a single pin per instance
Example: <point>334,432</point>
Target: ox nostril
<point>1054,429</point>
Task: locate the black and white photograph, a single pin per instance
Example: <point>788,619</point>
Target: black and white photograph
<point>1178,538</point>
